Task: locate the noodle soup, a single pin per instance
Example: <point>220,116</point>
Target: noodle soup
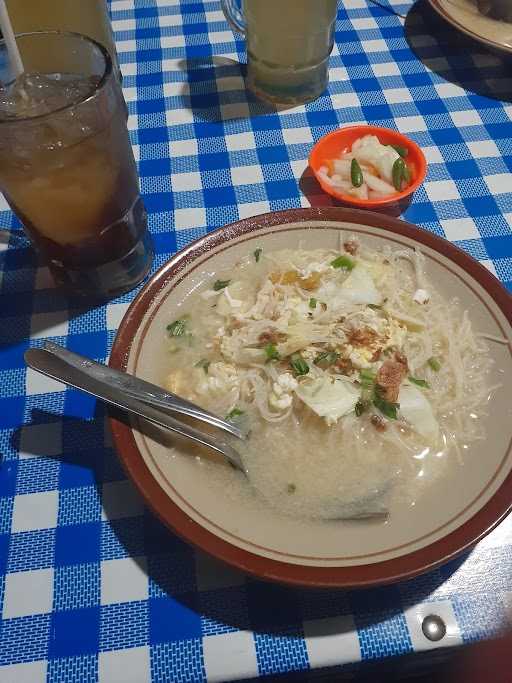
<point>358,382</point>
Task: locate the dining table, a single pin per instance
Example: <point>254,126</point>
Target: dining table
<point>92,586</point>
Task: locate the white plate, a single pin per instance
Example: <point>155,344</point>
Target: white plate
<point>464,15</point>
<point>448,518</point>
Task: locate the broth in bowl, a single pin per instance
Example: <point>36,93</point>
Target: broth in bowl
<point>358,382</point>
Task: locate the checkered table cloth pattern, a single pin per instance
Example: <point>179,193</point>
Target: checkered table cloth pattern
<point>92,587</point>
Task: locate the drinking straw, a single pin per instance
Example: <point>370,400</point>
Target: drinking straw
<point>10,41</point>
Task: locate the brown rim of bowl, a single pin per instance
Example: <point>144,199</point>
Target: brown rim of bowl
<point>464,29</point>
<point>379,573</point>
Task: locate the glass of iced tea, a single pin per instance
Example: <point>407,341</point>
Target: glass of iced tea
<point>67,168</point>
<point>288,46</point>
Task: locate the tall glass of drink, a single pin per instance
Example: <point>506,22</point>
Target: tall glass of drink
<point>88,17</point>
<point>67,168</point>
<point>288,46</point>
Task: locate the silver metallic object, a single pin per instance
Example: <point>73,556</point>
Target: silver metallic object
<point>433,627</point>
<point>125,391</point>
<point>154,404</point>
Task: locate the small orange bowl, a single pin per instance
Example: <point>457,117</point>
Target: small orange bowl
<point>333,145</point>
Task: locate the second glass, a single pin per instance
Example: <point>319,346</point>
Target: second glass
<point>88,17</point>
<point>288,46</point>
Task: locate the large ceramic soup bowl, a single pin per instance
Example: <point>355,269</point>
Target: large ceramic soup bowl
<point>215,508</point>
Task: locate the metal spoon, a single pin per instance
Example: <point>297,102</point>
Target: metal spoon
<point>143,391</point>
<point>146,400</point>
<point>134,395</point>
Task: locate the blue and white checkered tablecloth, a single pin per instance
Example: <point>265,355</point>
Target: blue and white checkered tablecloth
<point>92,587</point>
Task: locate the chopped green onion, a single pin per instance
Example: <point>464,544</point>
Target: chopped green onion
<point>367,374</point>
<point>299,365</point>
<point>236,412</point>
<point>434,364</point>
<point>203,363</point>
<point>419,382</point>
<point>361,407</point>
<point>177,328</point>
<point>313,302</point>
<point>257,254</point>
<point>343,262</point>
<point>403,151</point>
<point>367,377</point>
<point>398,173</point>
<point>291,488</point>
<point>386,407</point>
<point>220,284</point>
<point>375,307</point>
<point>326,358</point>
<point>356,175</point>
<point>271,352</point>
